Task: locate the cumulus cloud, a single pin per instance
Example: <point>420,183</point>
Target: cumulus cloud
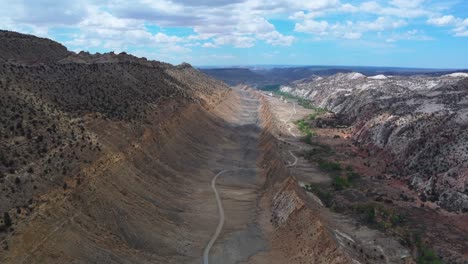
<point>209,45</point>
<point>407,4</point>
<point>118,24</point>
<point>352,35</point>
<point>413,34</point>
<point>312,26</point>
<point>237,23</point>
<point>442,21</point>
<point>349,29</point>
<point>277,39</point>
<point>397,8</point>
<point>47,12</point>
<point>237,41</point>
<point>459,25</point>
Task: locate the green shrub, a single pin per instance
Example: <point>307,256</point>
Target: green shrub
<point>340,183</point>
<point>329,166</point>
<point>378,215</point>
<point>286,95</point>
<point>317,150</point>
<point>352,176</point>
<point>308,138</point>
<point>324,195</point>
<point>428,256</point>
<point>306,103</point>
<point>425,254</point>
<point>313,116</point>
<point>302,125</point>
<point>5,223</point>
<point>270,87</point>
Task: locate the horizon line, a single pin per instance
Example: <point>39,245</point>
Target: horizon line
<point>225,66</point>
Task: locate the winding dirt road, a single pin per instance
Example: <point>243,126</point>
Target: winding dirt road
<point>215,236</point>
<point>206,252</point>
<point>294,135</point>
<point>220,248</point>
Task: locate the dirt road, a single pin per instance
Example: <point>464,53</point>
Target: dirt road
<point>206,252</point>
<point>237,235</point>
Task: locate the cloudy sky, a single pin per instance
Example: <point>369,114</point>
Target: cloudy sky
<point>412,33</point>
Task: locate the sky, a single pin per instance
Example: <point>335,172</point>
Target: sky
<point>399,33</point>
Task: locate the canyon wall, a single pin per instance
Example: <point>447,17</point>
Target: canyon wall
<point>416,124</point>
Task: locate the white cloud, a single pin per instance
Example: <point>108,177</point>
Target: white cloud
<point>314,5</point>
<point>349,29</point>
<point>236,41</point>
<point>277,39</point>
<point>460,26</point>
<point>312,26</point>
<point>118,24</point>
<point>380,24</point>
<point>398,8</point>
<point>349,8</point>
<point>461,33</point>
<point>102,29</point>
<point>239,23</point>
<point>352,35</point>
<point>209,45</point>
<point>407,4</point>
<point>254,25</point>
<point>442,21</point>
<point>413,34</point>
<point>299,15</point>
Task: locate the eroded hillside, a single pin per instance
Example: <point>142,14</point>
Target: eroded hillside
<point>68,117</point>
<point>416,124</point>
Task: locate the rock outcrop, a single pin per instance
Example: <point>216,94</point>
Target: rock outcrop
<point>419,121</point>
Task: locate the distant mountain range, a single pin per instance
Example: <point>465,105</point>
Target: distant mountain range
<point>264,75</point>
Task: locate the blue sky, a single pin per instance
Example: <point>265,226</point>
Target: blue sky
<point>417,33</point>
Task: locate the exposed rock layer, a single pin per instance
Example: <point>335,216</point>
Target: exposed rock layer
<point>419,122</point>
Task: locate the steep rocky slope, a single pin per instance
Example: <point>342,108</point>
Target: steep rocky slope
<point>416,124</point>
<point>69,119</point>
<point>109,158</point>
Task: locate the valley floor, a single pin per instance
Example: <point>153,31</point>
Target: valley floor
<point>422,226</point>
<point>151,197</point>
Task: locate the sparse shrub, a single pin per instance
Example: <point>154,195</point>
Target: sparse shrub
<point>302,125</point>
<point>379,216</point>
<point>6,222</point>
<point>352,176</point>
<point>428,256</point>
<point>308,138</point>
<point>329,166</point>
<point>324,195</point>
<point>340,183</point>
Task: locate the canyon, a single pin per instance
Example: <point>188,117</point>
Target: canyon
<point>417,124</point>
<point>110,158</point>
